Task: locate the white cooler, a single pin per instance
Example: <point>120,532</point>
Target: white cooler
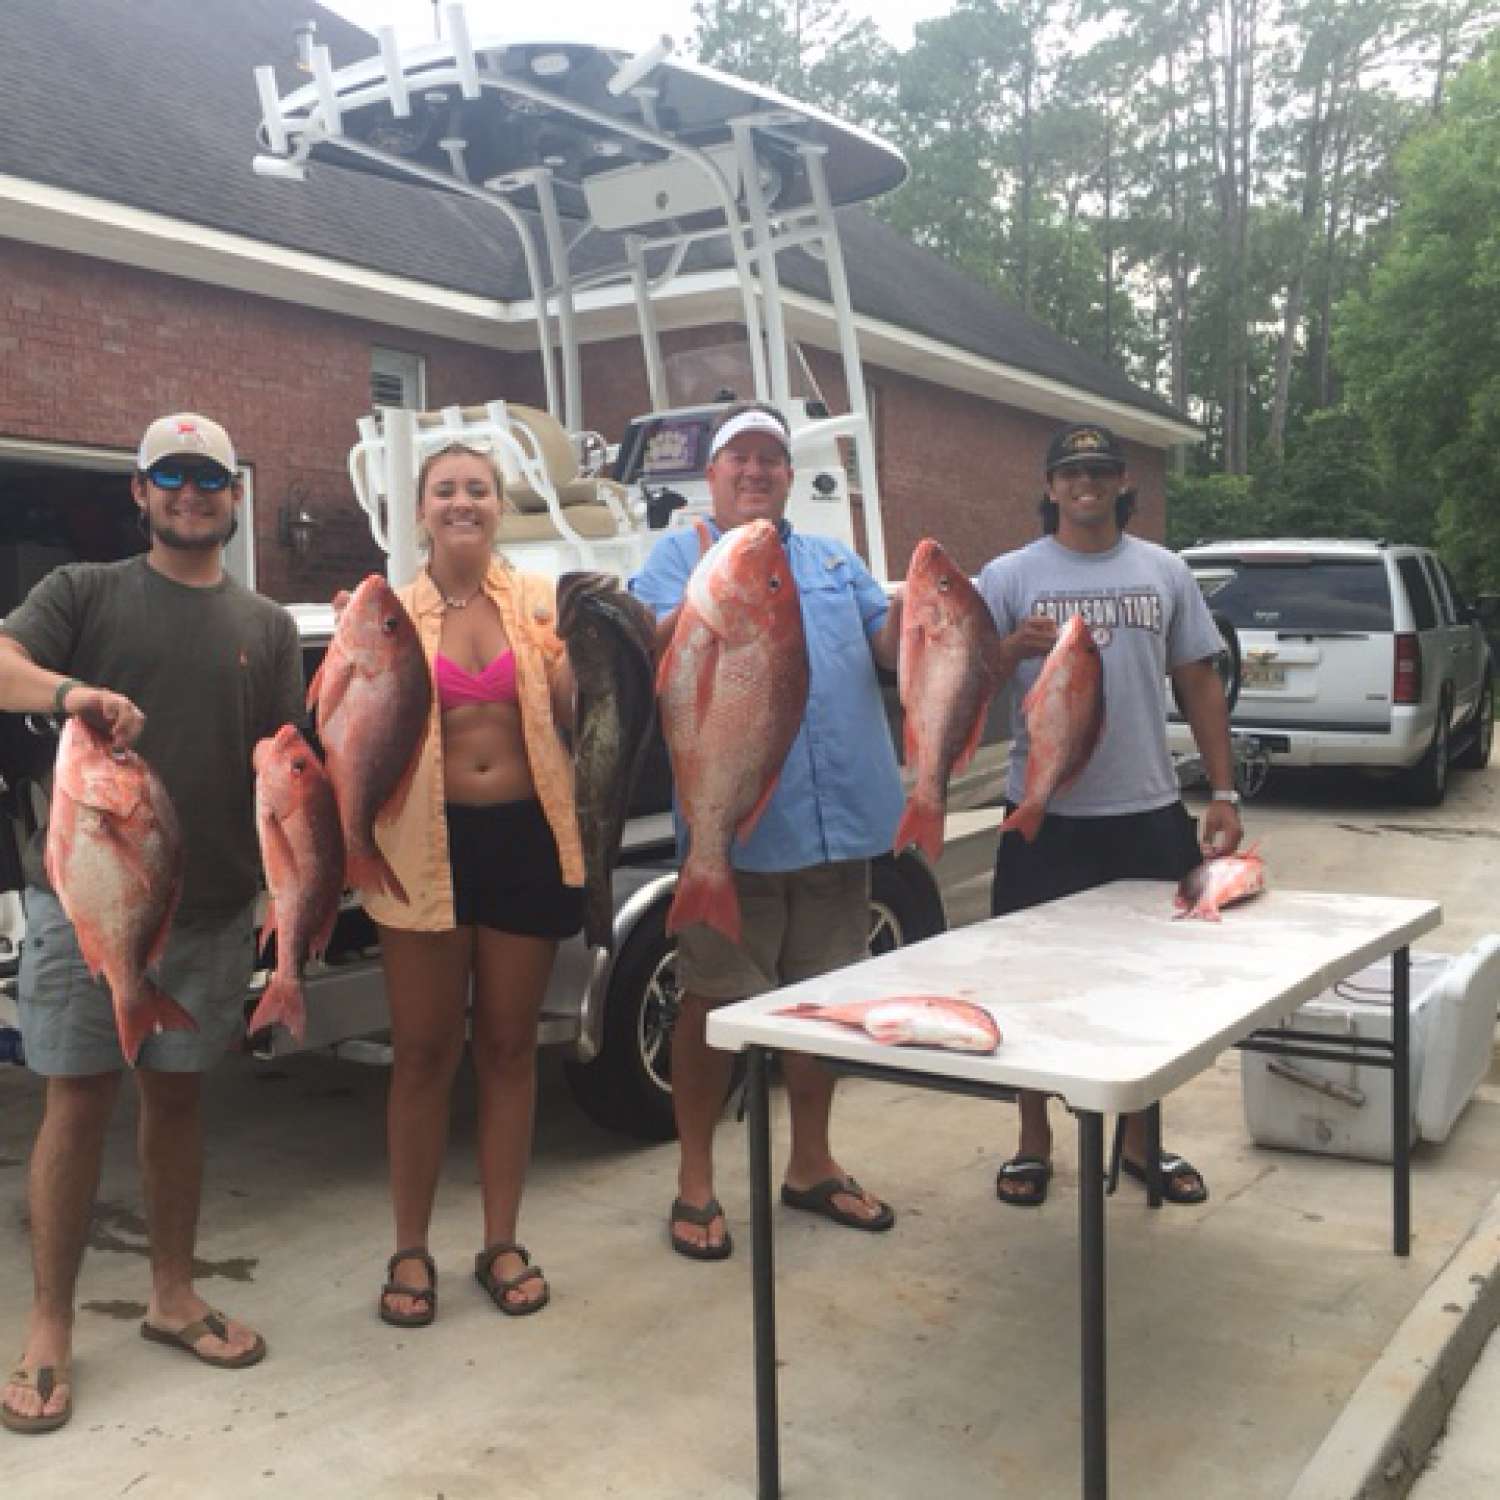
<point>1344,1108</point>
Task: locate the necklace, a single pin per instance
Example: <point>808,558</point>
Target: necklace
<point>451,603</point>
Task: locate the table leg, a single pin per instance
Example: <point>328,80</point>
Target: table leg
<point>1153,1156</point>
<point>1091,1302</point>
<point>1401,1096</point>
<point>763,1277</point>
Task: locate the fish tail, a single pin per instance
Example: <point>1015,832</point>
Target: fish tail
<point>372,874</point>
<point>1026,820</point>
<point>153,1011</point>
<point>922,825</point>
<point>706,896</point>
<point>281,1004</point>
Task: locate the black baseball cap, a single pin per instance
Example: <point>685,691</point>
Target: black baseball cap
<point>1084,443</point>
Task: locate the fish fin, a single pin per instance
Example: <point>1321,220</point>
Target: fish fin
<point>397,800</point>
<point>1079,764</point>
<point>971,745</point>
<point>315,687</point>
<point>324,935</point>
<point>922,825</point>
<point>1026,820</point>
<point>267,926</point>
<point>372,874</point>
<point>281,1004</point>
<point>751,818</point>
<point>155,1011</point>
<point>708,898</point>
<point>158,948</point>
<point>330,684</point>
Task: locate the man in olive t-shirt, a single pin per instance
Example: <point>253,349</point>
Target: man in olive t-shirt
<point>165,652</point>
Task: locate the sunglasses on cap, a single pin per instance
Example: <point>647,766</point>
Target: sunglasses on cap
<point>169,474</point>
<point>1088,471</point>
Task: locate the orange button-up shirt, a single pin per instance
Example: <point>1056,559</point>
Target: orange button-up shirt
<point>415,842</point>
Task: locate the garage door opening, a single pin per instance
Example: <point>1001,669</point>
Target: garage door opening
<point>60,505</point>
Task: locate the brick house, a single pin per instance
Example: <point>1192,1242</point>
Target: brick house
<point>144,269</point>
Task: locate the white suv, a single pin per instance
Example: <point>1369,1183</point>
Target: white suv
<point>1353,653</point>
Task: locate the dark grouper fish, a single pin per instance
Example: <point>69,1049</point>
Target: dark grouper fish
<point>610,638</point>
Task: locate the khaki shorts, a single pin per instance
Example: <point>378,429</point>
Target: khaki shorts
<point>67,1017</point>
<point>795,925</point>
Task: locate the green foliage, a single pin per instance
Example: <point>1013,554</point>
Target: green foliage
<point>1420,349</point>
<point>1331,484</point>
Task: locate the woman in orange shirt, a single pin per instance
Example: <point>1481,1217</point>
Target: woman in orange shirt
<point>487,847</point>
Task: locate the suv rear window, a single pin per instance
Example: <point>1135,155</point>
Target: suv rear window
<point>1295,594</point>
<point>1419,591</point>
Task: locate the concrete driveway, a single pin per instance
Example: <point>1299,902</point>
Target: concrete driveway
<point>938,1359</point>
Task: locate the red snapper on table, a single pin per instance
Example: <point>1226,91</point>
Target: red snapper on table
<point>911,1021</point>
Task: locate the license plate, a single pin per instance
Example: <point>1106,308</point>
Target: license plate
<point>1263,674</point>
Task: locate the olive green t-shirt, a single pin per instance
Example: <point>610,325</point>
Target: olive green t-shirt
<point>213,669</point>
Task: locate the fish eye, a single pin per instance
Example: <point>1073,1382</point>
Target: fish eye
<point>775,582</point>
<point>944,584</point>
<point>388,625</point>
<point>299,764</point>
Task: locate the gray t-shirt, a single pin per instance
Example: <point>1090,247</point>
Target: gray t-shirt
<point>213,669</point>
<point>1148,617</point>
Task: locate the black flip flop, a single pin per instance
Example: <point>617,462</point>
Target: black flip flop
<point>1171,1166</point>
<point>685,1213</point>
<point>818,1199</point>
<point>1032,1171</point>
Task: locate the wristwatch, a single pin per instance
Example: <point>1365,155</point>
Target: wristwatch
<point>59,698</point>
<point>1231,797</point>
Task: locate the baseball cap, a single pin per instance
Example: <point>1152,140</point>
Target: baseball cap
<point>753,420</point>
<point>186,435</point>
<point>1084,443</point>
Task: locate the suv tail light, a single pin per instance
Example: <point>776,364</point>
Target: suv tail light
<point>1408,684</point>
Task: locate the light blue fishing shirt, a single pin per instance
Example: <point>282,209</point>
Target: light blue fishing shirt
<point>840,794</point>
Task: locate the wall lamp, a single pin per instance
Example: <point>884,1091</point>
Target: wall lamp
<point>295,524</point>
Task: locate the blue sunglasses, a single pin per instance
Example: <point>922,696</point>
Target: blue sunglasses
<point>168,475</point>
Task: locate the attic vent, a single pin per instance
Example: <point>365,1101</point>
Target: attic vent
<point>397,378</point>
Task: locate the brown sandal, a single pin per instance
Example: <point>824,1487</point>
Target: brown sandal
<point>499,1287</point>
<point>211,1323</point>
<point>426,1295</point>
<point>44,1380</point>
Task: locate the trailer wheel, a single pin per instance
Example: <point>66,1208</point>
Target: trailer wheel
<point>628,1087</point>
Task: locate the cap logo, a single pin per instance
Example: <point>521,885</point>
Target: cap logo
<point>1088,441</point>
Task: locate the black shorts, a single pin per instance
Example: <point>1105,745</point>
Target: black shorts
<point>506,873</point>
<point>1076,854</point>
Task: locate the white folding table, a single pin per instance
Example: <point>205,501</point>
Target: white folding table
<point>1109,1001</point>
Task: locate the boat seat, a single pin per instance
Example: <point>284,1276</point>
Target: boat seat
<point>555,449</point>
<point>596,506</point>
<point>595,522</point>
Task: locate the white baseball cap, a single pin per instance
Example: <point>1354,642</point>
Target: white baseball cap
<point>753,420</point>
<point>186,435</point>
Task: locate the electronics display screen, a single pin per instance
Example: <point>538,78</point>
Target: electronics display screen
<point>675,448</point>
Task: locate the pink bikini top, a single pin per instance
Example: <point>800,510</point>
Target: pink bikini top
<point>495,684</point>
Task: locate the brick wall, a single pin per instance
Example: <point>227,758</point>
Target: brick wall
<point>90,352</point>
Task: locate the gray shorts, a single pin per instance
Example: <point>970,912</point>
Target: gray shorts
<point>794,925</point>
<point>68,1019</point>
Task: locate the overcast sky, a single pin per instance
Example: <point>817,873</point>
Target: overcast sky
<point>605,20</point>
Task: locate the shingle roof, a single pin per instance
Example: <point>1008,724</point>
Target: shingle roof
<point>152,104</point>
